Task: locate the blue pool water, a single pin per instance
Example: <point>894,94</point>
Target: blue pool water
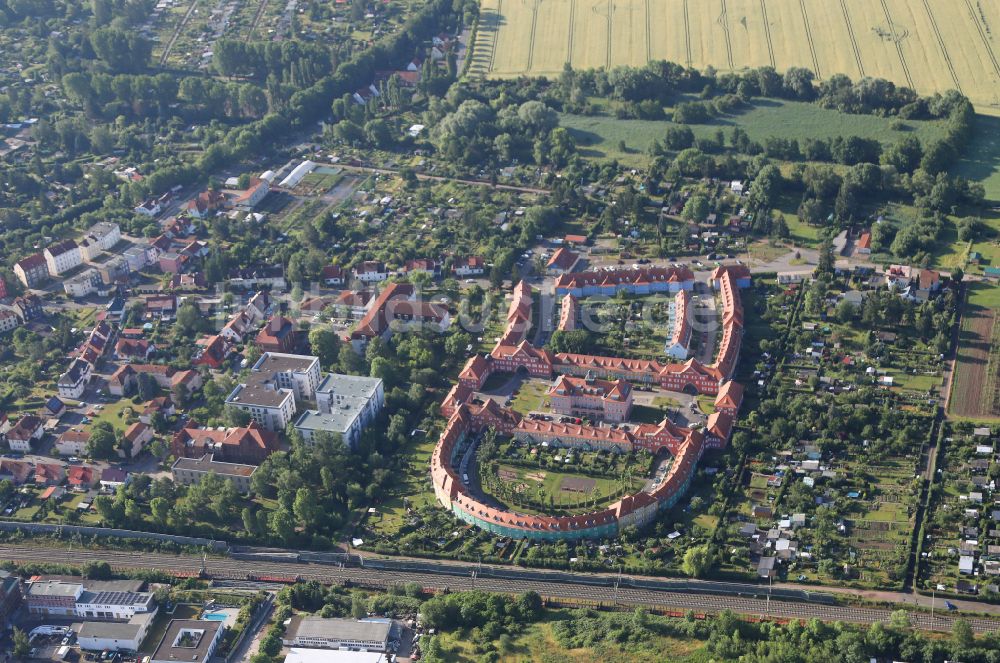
<point>214,616</point>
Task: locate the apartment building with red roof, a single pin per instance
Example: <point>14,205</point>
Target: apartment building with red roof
<point>249,444</point>
<point>591,397</point>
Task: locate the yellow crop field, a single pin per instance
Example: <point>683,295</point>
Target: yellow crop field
<point>929,45</point>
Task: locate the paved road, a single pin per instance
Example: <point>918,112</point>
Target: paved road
<point>582,587</point>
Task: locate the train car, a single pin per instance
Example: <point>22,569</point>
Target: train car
<point>184,575</point>
<point>262,577</point>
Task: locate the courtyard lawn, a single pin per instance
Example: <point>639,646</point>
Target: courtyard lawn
<point>114,413</point>
<point>531,396</point>
<point>558,487</point>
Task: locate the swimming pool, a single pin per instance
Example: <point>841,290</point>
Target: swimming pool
<point>214,616</point>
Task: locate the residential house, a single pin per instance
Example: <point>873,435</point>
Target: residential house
<point>54,407</point>
<point>423,266</point>
<point>258,307</point>
<point>161,307</point>
<point>134,348</point>
<point>102,236</point>
<point>236,328</point>
<point>81,477</point>
<point>25,432</point>
<point>73,442</point>
<point>160,405</point>
<point>172,262</point>
<point>112,478</point>
<point>333,275</point>
<point>9,321</point>
<point>123,381</point>
<point>29,307</point>
<point>49,474</point>
<point>562,261</point>
<point>469,266</point>
<point>32,271</point>
<point>353,305</point>
<point>371,271</point>
<point>136,437</point>
<point>187,471</point>
<point>83,284</point>
<point>271,276</point>
<point>212,352</point>
<point>148,208</point>
<point>278,335</point>
<point>15,471</point>
<point>62,257</point>
<point>255,193</point>
<point>205,203</point>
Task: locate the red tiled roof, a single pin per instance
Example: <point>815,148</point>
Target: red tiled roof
<point>563,258</point>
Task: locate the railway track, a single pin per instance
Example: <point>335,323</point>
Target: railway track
<point>600,589</point>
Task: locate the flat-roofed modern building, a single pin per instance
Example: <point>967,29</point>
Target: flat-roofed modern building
<point>346,404</point>
<point>300,373</point>
<point>301,655</point>
<point>322,633</point>
<point>268,405</point>
<point>276,381</point>
<point>188,471</point>
<point>188,640</point>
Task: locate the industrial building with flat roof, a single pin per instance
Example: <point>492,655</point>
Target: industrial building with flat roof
<point>298,655</point>
<point>322,633</point>
<point>59,597</point>
<point>115,636</point>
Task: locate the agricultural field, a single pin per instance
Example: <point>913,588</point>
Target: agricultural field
<point>930,46</point>
<point>975,393</point>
